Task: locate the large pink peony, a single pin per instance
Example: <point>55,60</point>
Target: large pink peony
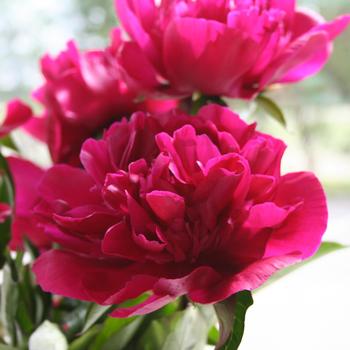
<point>83,93</point>
<point>174,204</point>
<point>226,47</point>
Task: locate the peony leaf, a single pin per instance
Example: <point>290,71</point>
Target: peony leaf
<point>120,339</point>
<point>9,305</point>
<point>271,108</point>
<point>6,347</point>
<point>110,328</point>
<point>94,313</point>
<point>8,142</point>
<point>83,341</point>
<point>6,196</point>
<point>325,249</point>
<point>191,329</point>
<point>231,314</point>
<point>213,336</point>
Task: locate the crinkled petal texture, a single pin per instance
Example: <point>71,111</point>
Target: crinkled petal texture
<point>171,204</point>
<point>232,48</point>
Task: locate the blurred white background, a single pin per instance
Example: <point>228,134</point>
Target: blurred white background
<point>310,309</point>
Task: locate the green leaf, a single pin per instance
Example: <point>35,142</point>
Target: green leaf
<point>6,196</point>
<point>94,313</point>
<point>6,347</point>
<point>9,305</point>
<point>325,249</point>
<point>8,142</point>
<point>119,340</point>
<point>110,327</point>
<point>213,336</point>
<point>231,314</point>
<point>271,108</point>
<point>83,341</point>
<point>191,330</point>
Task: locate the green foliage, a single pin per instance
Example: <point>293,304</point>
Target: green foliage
<point>271,109</point>
<point>231,314</point>
<point>6,196</point>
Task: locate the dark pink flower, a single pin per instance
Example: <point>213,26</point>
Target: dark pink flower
<point>174,204</point>
<point>26,177</point>
<point>17,114</point>
<point>234,48</point>
<point>83,93</point>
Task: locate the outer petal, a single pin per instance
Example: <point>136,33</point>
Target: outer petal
<point>213,56</point>
<point>95,159</point>
<point>336,27</point>
<point>304,57</point>
<point>68,185</point>
<point>95,280</point>
<point>38,127</point>
<point>249,278</point>
<point>118,242</point>
<point>305,226</point>
<point>63,273</point>
<point>134,15</point>
<point>26,178</point>
<point>225,120</point>
<point>17,114</point>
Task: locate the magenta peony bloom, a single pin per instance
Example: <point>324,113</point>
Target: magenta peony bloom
<point>17,114</point>
<point>174,204</point>
<point>82,94</point>
<point>26,177</point>
<point>234,48</point>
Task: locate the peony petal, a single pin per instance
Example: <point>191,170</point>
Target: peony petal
<point>168,206</point>
<point>226,120</point>
<point>118,242</point>
<point>264,154</point>
<point>305,226</point>
<point>26,176</point>
<point>95,159</point>
<point>335,27</point>
<point>91,223</point>
<point>304,57</point>
<point>70,185</point>
<point>128,12</point>
<point>63,273</point>
<point>213,57</point>
<point>153,303</point>
<point>17,114</point>
<point>250,278</point>
<point>265,215</point>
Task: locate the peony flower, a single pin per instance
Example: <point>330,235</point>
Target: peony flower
<point>235,48</point>
<point>26,177</point>
<point>170,205</point>
<point>82,94</point>
<point>17,114</point>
